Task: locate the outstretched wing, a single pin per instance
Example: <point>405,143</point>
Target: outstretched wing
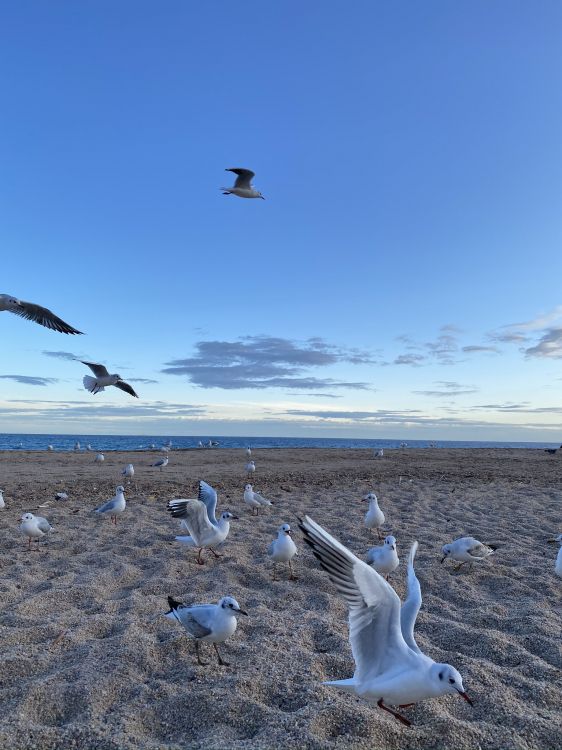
<point>43,316</point>
<point>125,387</point>
<point>194,513</point>
<point>244,178</point>
<point>412,603</point>
<point>208,496</point>
<point>99,370</point>
<point>374,607</point>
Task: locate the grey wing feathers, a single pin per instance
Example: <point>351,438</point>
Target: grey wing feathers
<point>43,525</point>
<point>189,621</point>
<point>44,317</point>
<point>177,508</point>
<point>126,387</point>
<point>99,370</point>
<point>412,603</point>
<point>208,496</point>
<point>244,176</point>
<point>271,548</point>
<point>106,507</point>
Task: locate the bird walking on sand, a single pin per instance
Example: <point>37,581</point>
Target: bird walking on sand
<point>114,506</point>
<point>250,468</point>
<point>37,314</point>
<point>103,380</point>
<point>99,459</point>
<point>34,527</point>
<point>207,622</point>
<point>161,463</point>
<point>384,559</point>
<point>128,471</point>
<point>283,549</point>
<point>389,666</point>
<point>243,187</point>
<point>254,499</point>
<point>2,501</point>
<point>466,550</point>
<point>195,518</point>
<point>374,517</point>
<point>248,452</point>
<point>558,563</point>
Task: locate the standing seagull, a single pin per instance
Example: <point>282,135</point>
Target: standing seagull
<point>374,517</point>
<point>558,563</point>
<point>254,499</point>
<point>99,459</point>
<point>384,559</point>
<point>103,379</point>
<point>466,550</point>
<point>250,468</point>
<point>114,506</point>
<point>248,452</point>
<point>207,622</point>
<point>38,314</point>
<point>243,187</point>
<point>34,527</point>
<point>283,549</point>
<point>2,501</point>
<point>161,463</point>
<point>128,471</point>
<point>389,666</point>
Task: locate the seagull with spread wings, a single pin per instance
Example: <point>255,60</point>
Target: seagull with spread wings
<point>36,313</point>
<point>242,187</point>
<point>103,379</point>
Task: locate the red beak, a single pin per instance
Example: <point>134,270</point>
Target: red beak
<point>465,696</point>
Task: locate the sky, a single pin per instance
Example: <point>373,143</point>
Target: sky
<point>402,277</point>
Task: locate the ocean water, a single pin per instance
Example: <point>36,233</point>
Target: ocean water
<point>10,442</point>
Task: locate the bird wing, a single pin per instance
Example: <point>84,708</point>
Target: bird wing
<point>271,548</point>
<point>194,513</point>
<point>106,507</point>
<point>412,603</point>
<point>43,316</point>
<point>261,499</point>
<point>42,524</point>
<point>244,178</point>
<point>479,550</point>
<point>374,607</point>
<point>126,387</point>
<point>99,370</point>
<point>208,496</point>
<point>192,619</point>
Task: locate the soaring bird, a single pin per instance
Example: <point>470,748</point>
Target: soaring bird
<point>38,314</point>
<point>243,187</point>
<point>103,379</point>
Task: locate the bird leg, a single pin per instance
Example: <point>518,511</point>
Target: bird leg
<point>29,544</point>
<point>273,578</point>
<point>379,533</point>
<point>396,715</point>
<point>292,577</point>
<point>214,553</point>
<point>202,663</point>
<point>459,566</point>
<point>221,660</point>
<point>199,560</point>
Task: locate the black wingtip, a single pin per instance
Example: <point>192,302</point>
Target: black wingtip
<point>173,604</point>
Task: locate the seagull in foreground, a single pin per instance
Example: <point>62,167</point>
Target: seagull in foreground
<point>466,549</point>
<point>161,463</point>
<point>250,468</point>
<point>103,380</point>
<point>557,564</point>
<point>283,549</point>
<point>243,187</point>
<point>114,506</point>
<point>2,501</point>
<point>207,622</point>
<point>99,459</point>
<point>34,527</point>
<point>389,666</point>
<point>254,499</point>
<point>203,534</point>
<point>38,314</point>
<point>374,517</point>
<point>384,559</point>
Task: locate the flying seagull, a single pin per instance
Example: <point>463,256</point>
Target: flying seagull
<point>243,187</point>
<point>38,314</point>
<point>104,379</point>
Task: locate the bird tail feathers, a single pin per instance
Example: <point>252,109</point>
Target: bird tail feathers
<point>91,384</point>
<point>346,685</point>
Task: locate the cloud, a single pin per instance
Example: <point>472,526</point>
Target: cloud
<point>408,359</point>
<point>508,337</point>
<point>448,388</point>
<point>358,416</point>
<point>260,362</point>
<point>476,348</point>
<point>522,408</point>
<point>318,395</point>
<point>92,411</point>
<point>549,345</point>
<point>29,379</point>
<point>541,321</point>
<point>443,349</point>
<point>141,380</point>
<point>60,355</point>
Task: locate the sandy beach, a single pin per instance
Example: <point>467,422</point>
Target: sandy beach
<point>89,662</point>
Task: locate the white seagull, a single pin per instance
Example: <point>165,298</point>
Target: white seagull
<point>466,549</point>
<point>250,468</point>
<point>248,451</point>
<point>34,527</point>
<point>61,496</point>
<point>38,314</point>
<point>389,666</point>
<point>161,463</point>
<point>2,501</point>
<point>99,459</point>
<point>374,517</point>
<point>207,622</point>
<point>384,559</point>
<point>254,499</point>
<point>283,549</point>
<point>103,380</point>
<point>50,448</point>
<point>128,471</point>
<point>114,506</point>
<point>558,563</point>
<point>243,187</point>
<point>378,453</point>
<point>203,534</point>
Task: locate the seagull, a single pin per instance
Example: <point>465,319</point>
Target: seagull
<point>283,549</point>
<point>243,187</point>
<point>34,527</point>
<point>557,564</point>
<point>77,445</point>
<point>254,499</point>
<point>250,468</point>
<point>378,453</point>
<point>99,459</point>
<point>204,535</point>
<point>61,496</point>
<point>466,549</point>
<point>103,379</point>
<point>384,559</point>
<point>50,448</point>
<point>38,314</point>
<point>161,463</point>
<point>207,622</point>
<point>114,506</point>
<point>128,471</point>
<point>552,451</point>
<point>248,451</point>
<point>2,501</point>
<point>389,666</point>
<point>374,517</point>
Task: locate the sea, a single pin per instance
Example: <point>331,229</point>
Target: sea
<point>14,442</point>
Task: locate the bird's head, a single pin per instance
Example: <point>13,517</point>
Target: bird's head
<point>227,516</point>
<point>27,517</point>
<point>285,529</point>
<point>448,681</point>
<point>248,487</point>
<point>446,550</point>
<point>120,488</point>
<point>230,604</point>
<point>368,497</point>
<point>390,541</point>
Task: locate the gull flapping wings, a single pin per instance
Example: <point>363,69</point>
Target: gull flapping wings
<point>99,370</point>
<point>194,515</point>
<point>126,387</point>
<point>412,603</point>
<point>208,496</point>
<point>374,607</point>
<point>244,177</point>
<point>37,314</point>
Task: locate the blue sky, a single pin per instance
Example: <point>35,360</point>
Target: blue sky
<point>411,159</point>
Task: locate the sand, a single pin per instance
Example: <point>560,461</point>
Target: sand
<point>89,662</point>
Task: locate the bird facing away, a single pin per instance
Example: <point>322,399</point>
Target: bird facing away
<point>384,559</point>
<point>203,534</point>
<point>466,550</point>
<point>34,527</point>
<point>283,549</point>
<point>114,506</point>
<point>128,471</point>
<point>243,187</point>
<point>99,459</point>
<point>38,314</point>
<point>103,380</point>
<point>374,517</point>
<point>254,499</point>
<point>558,563</point>
<point>207,622</point>
<point>389,666</point>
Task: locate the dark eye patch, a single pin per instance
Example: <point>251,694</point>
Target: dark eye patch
<point>451,681</point>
